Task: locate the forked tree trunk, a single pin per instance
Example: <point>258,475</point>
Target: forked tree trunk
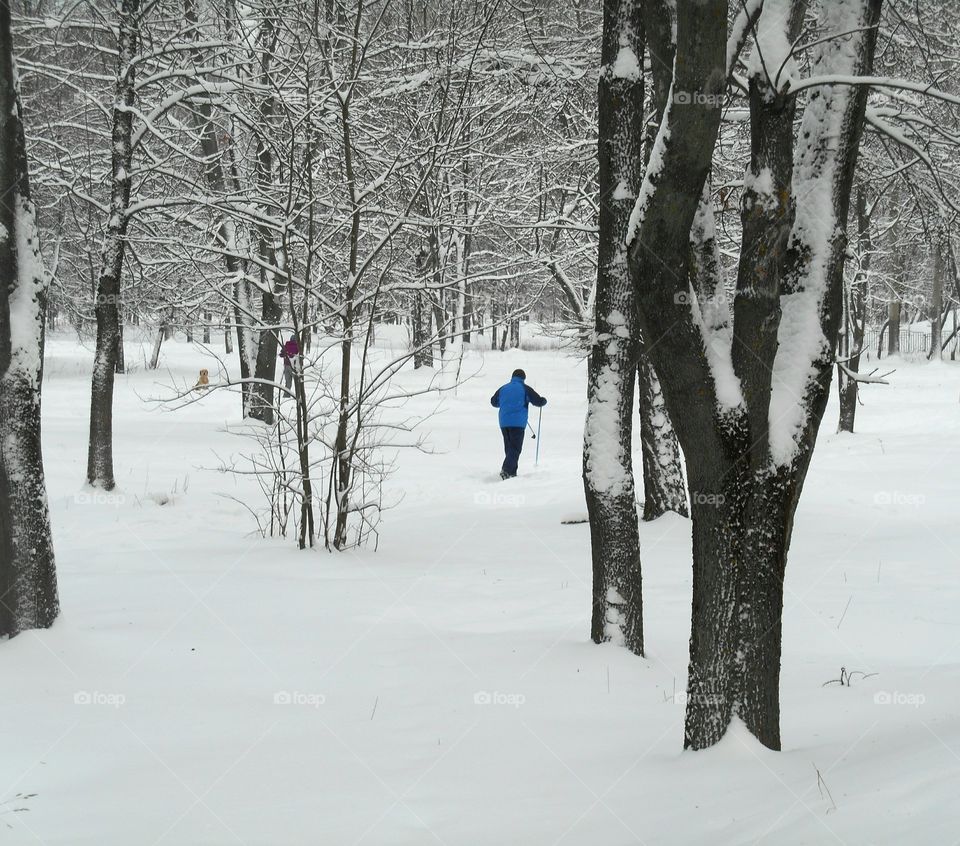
<point>100,446</point>
<point>28,581</point>
<point>744,475</point>
<point>608,480</point>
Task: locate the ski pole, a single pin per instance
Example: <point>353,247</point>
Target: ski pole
<point>533,435</point>
<point>536,460</point>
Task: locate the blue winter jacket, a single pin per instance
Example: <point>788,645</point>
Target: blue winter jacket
<point>512,399</point>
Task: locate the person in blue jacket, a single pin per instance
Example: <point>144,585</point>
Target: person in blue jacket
<point>513,399</point>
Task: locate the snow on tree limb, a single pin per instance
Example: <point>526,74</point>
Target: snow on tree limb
<point>818,234</point>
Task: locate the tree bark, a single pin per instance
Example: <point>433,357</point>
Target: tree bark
<point>100,446</point>
<point>716,376</point>
<point>420,332</point>
<point>663,485</point>
<point>855,310</point>
<point>608,479</point>
<point>894,309</point>
<point>936,307</point>
<point>28,581</point>
<point>271,311</point>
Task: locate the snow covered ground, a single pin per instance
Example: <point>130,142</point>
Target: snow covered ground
<point>206,686</point>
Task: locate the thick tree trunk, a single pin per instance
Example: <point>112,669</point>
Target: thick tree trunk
<point>663,486</point>
<point>741,534</point>
<point>608,480</point>
<point>744,474</point>
<point>28,581</point>
<point>100,446</point>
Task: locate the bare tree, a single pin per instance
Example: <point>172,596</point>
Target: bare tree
<point>100,446</point>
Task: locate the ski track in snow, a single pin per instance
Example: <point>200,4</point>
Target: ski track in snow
<point>206,686</point>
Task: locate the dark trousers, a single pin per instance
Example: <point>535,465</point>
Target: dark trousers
<point>512,445</point>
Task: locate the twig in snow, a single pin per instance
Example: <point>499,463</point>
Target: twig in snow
<point>846,678</point>
<point>19,797</point>
<point>822,786</point>
<point>844,614</point>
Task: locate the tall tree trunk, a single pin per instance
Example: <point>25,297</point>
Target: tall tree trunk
<point>745,475</point>
<point>100,447</point>
<point>243,304</point>
<point>855,315</point>
<point>341,476</point>
<point>608,480</point>
<point>28,581</point>
<point>217,179</point>
<point>936,307</point>
<point>271,311</point>
<point>663,483</point>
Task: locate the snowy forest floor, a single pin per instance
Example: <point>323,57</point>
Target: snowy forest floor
<point>207,686</point>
